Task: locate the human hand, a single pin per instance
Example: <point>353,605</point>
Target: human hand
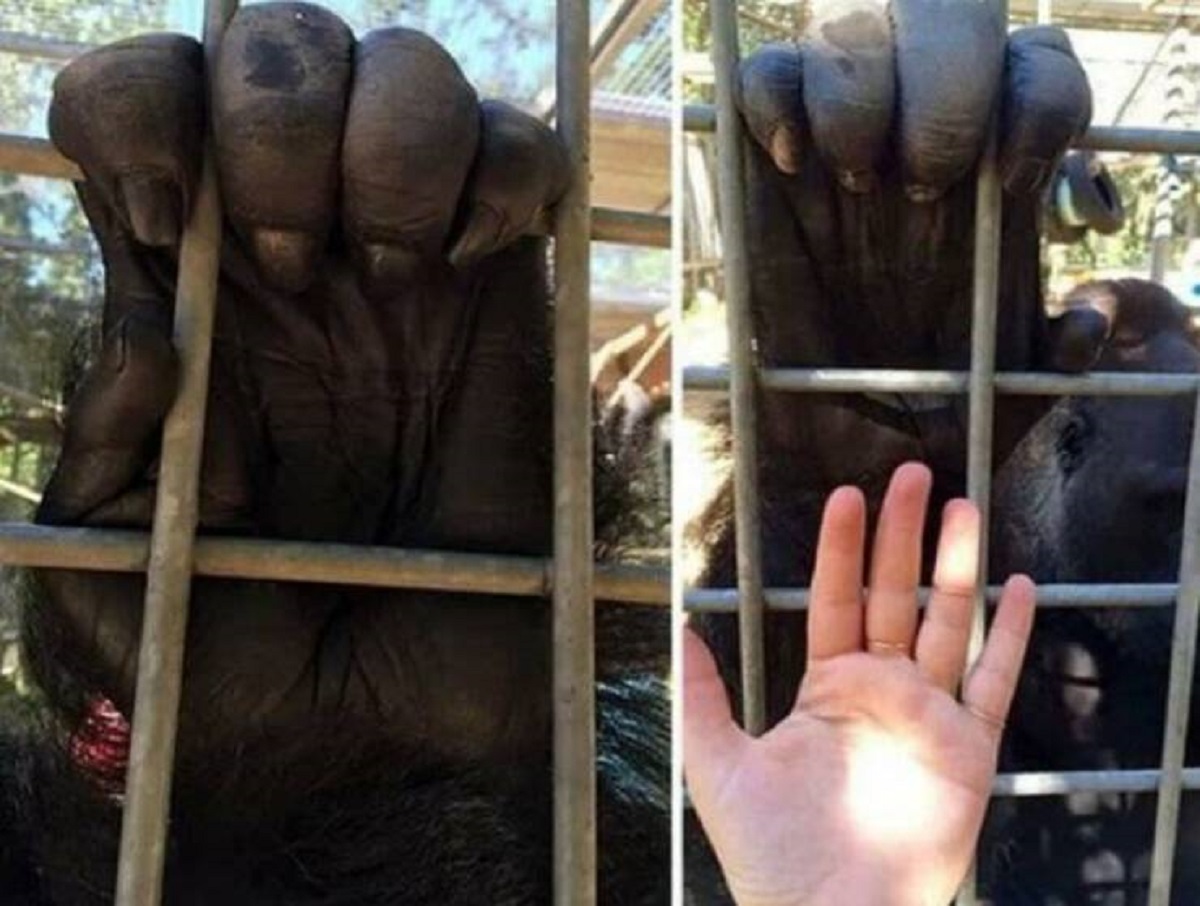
<point>873,789</point>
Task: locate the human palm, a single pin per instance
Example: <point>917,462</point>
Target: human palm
<point>873,788</point>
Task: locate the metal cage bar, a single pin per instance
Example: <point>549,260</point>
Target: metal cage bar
<point>715,378</point>
<point>1179,691</point>
<point>574,626</point>
<point>985,290</point>
<point>1150,595</point>
<point>743,416</point>
<point>169,573</point>
<point>112,550</point>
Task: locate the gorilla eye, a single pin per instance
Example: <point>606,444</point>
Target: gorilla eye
<point>1071,446</point>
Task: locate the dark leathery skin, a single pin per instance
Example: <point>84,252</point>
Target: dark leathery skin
<point>380,375</point>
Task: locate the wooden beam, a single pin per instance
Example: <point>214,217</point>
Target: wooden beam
<point>24,45</point>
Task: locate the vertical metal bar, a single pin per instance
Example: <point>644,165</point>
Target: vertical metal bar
<point>983,366</point>
<point>1183,666</point>
<point>981,385</point>
<point>574,653</point>
<point>731,194</point>
<point>169,577</point>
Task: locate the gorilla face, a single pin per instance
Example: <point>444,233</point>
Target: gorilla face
<point>380,375</point>
<point>1095,492</point>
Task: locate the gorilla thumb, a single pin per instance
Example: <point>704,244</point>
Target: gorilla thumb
<point>113,420</point>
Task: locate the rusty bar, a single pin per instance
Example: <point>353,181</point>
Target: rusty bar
<point>144,826</point>
<point>574,626</point>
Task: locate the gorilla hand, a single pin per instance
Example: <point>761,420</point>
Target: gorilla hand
<point>380,368</point>
<point>861,204</point>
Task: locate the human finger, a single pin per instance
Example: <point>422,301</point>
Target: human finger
<point>835,611</point>
<point>896,562</point>
<point>988,689</point>
<point>942,641</point>
<point>710,736</point>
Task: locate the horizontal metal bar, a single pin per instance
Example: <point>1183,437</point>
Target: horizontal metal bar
<point>111,550</point>
<point>1140,141</point>
<point>881,380</point>
<point>700,118</point>
<point>1059,783</point>
<point>38,157</point>
<point>724,600</point>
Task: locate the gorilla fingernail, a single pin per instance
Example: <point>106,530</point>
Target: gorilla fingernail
<point>153,205</point>
<point>286,258</point>
<point>482,235</point>
<point>785,150</point>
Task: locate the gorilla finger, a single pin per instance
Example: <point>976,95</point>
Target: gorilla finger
<point>1047,103</point>
<point>769,97</point>
<point>948,77</point>
<point>849,87</point>
<point>113,421</point>
<point>131,115</point>
<point>411,135</point>
<point>521,169</point>
<point>279,103</point>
